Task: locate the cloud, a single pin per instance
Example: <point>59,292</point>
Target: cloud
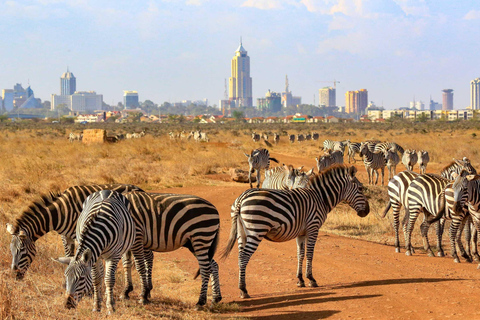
<point>413,7</point>
<point>472,15</point>
<point>195,2</point>
<point>263,4</point>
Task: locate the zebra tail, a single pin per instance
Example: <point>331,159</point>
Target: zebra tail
<point>441,210</point>
<point>389,205</point>
<point>274,160</point>
<point>211,251</point>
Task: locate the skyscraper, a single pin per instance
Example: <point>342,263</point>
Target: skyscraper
<point>68,84</point>
<point>356,101</point>
<point>475,94</point>
<point>240,89</point>
<point>130,99</point>
<point>327,97</point>
<point>447,96</point>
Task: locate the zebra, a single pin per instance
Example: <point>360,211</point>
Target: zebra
<point>329,159</point>
<point>173,135</point>
<point>265,136</point>
<point>53,212</point>
<point>75,137</point>
<point>308,137</point>
<point>291,138</point>
<point>373,162</point>
<point>353,148</point>
<point>409,159</point>
<point>456,166</point>
<point>258,159</point>
<point>200,136</point>
<point>333,145</point>
<point>166,222</point>
<point>300,137</point>
<point>423,160</point>
<point>392,159</point>
<point>282,215</point>
<point>106,230</point>
<point>276,138</point>
<point>137,135</point>
<point>382,147</point>
<point>286,177</point>
<point>315,136</point>
<point>255,137</point>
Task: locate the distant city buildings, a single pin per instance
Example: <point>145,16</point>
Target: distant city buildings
<point>272,102</point>
<point>240,88</point>
<point>287,97</point>
<point>356,101</point>
<point>475,94</point>
<point>447,97</point>
<point>419,105</point>
<point>76,101</point>
<point>18,97</point>
<point>434,105</point>
<point>130,99</point>
<point>327,97</point>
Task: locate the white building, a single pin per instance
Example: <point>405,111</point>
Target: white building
<point>475,94</point>
<point>80,101</point>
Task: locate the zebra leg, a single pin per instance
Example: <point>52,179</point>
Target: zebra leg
<point>205,271</point>
<point>127,270</point>
<point>111,266</point>
<point>439,227</point>
<point>215,280</point>
<point>396,223</point>
<point>97,277</point>
<point>383,175</point>
<point>68,246</point>
<point>244,256</point>
<point>300,257</point>
<point>148,254</point>
<point>460,224</point>
<point>474,250</point>
<point>311,240</point>
<point>424,230</point>
<point>376,176</point>
<point>140,256</point>
<point>258,178</point>
<point>412,217</point>
<point>250,176</point>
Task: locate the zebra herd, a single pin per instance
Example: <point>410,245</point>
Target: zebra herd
<point>197,135</point>
<point>72,137</point>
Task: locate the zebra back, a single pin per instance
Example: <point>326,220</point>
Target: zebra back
<point>457,166</point>
<point>370,159</point>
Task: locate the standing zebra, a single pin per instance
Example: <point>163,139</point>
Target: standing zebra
<point>258,159</point>
<point>53,212</point>
<point>308,137</point>
<point>282,215</point>
<point>75,137</point>
<point>300,137</point>
<point>329,159</point>
<point>291,138</point>
<point>315,136</point>
<point>276,138</point>
<point>284,178</point>
<point>106,230</point>
<point>382,147</point>
<point>352,149</point>
<point>372,162</point>
<point>409,159</point>
<point>333,145</point>
<point>167,222</point>
<point>392,159</point>
<point>255,137</point>
<point>423,160</point>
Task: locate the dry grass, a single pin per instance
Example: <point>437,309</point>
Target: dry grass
<point>35,161</point>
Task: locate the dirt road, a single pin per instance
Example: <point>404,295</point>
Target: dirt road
<point>357,279</point>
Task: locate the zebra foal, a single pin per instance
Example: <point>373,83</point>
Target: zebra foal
<point>258,159</point>
<point>106,230</point>
<point>282,215</point>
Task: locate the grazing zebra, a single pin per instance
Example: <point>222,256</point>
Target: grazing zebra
<point>255,137</point>
<point>285,178</point>
<point>315,136</point>
<point>329,159</point>
<point>300,137</point>
<point>291,138</point>
<point>276,138</point>
<point>308,137</point>
<point>392,159</point>
<point>53,212</point>
<point>75,137</point>
<point>265,136</point>
<point>282,215</point>
<point>456,166</point>
<point>373,162</point>
<point>353,148</point>
<point>167,222</point>
<point>382,147</point>
<point>106,230</point>
<point>173,135</point>
<point>137,135</point>
<point>333,145</point>
<point>423,160</point>
<point>258,159</point>
<point>409,159</point>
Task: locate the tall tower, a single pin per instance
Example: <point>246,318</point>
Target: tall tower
<point>68,84</point>
<point>240,82</point>
<point>327,97</point>
<point>475,94</point>
<point>447,99</point>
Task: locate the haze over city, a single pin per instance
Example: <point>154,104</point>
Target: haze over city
<point>174,50</point>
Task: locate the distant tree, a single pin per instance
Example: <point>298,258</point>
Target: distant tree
<point>46,104</point>
<point>3,117</point>
<point>422,118</point>
<point>238,115</point>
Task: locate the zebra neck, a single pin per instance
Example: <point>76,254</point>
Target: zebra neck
<point>330,192</point>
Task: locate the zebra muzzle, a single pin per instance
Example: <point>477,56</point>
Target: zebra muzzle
<point>71,301</point>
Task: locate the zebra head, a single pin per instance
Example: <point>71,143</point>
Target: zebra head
<point>23,250</point>
<point>353,193</point>
<point>363,148</point>
<point>78,278</point>
<point>459,188</point>
<point>302,178</point>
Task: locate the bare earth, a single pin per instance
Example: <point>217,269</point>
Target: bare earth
<point>357,279</point>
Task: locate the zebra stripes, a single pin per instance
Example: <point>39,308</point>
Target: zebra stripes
<point>300,137</point>
<point>105,229</point>
<point>333,145</point>
<point>353,148</point>
<point>392,159</point>
<point>383,147</point>
<point>285,178</point>
<point>255,137</point>
<point>75,137</point>
<point>166,222</point>
<point>372,162</point>
<point>276,138</point>
<point>423,159</point>
<point>456,166</point>
<point>409,159</point>
<point>53,212</point>
<point>257,160</point>
<point>282,215</point>
<point>329,159</point>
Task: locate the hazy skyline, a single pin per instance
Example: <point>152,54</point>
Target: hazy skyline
<point>174,50</point>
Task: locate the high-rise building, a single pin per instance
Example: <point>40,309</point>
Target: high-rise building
<point>447,97</point>
<point>327,97</point>
<point>240,89</point>
<point>356,101</point>
<point>475,94</point>
<point>68,84</point>
<point>287,97</point>
<point>130,99</point>
<point>80,101</point>
<point>7,97</point>
<point>434,105</point>
<point>272,102</point>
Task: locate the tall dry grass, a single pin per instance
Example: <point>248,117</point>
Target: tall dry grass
<point>36,161</point>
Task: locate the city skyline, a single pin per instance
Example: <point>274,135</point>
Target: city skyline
<point>175,50</point>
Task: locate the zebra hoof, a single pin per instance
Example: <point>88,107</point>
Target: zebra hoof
<point>244,295</point>
<point>397,250</point>
<point>476,258</point>
<point>456,260</point>
<point>301,284</point>
<point>408,253</point>
<point>144,301</point>
<point>313,284</point>
<point>440,254</point>
<point>430,253</point>
<point>217,299</point>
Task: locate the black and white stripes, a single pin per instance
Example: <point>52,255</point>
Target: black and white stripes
<point>258,159</point>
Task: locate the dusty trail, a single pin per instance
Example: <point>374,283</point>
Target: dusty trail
<point>358,279</point>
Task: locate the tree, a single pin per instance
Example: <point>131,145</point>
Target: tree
<point>422,118</point>
<point>3,117</point>
<point>238,115</point>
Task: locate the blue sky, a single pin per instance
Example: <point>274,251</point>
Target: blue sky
<point>171,50</point>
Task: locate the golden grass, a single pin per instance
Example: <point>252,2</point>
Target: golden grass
<point>36,161</point>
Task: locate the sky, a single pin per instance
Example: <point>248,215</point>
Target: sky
<point>173,50</point>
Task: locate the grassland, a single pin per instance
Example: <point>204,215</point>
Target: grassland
<point>36,159</point>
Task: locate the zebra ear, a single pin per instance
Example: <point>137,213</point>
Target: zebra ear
<point>472,177</point>
<point>10,228</point>
<point>246,155</point>
<point>310,172</point>
<point>63,260</point>
<point>86,255</point>
<point>352,171</point>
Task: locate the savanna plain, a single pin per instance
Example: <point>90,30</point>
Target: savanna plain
<point>359,274</point>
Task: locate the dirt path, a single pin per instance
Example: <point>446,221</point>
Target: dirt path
<point>358,279</point>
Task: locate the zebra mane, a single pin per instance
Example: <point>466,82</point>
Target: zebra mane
<point>449,166</point>
<point>328,172</point>
<point>44,201</point>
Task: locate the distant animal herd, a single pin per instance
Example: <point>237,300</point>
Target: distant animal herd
<point>110,222</point>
